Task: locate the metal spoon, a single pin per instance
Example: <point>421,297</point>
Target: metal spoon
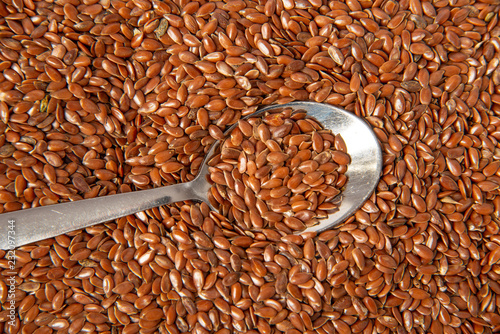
<point>363,173</point>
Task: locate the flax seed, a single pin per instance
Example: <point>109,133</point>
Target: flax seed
<point>115,97</point>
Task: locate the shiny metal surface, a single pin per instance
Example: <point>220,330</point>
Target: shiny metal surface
<point>363,174</point>
<point>366,158</point>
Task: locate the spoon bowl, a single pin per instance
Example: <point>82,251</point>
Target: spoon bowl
<point>363,174</point>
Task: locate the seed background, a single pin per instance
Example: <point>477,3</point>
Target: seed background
<point>103,97</point>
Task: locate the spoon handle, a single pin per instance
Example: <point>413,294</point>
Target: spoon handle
<point>22,227</point>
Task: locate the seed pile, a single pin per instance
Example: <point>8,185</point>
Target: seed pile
<point>280,170</point>
<point>103,97</point>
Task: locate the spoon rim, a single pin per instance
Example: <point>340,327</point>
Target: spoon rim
<point>368,137</point>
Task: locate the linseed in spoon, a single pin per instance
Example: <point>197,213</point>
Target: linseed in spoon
<point>281,170</point>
